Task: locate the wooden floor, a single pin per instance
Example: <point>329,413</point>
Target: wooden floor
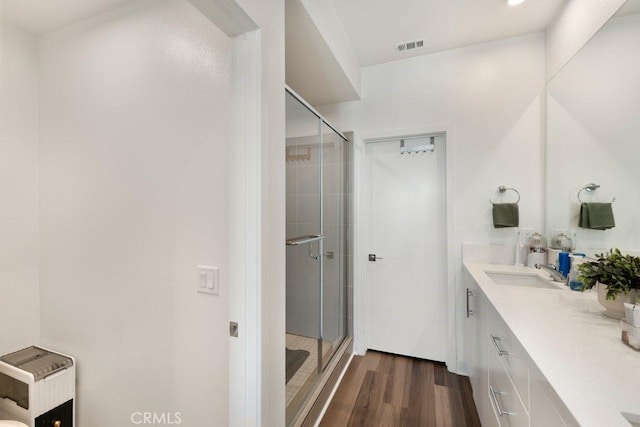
<point>381,389</point>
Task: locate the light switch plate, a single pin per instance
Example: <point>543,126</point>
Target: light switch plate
<point>208,280</point>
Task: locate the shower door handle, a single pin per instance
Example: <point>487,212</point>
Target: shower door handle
<point>296,241</point>
<point>374,257</point>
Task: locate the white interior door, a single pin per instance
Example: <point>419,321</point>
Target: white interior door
<point>406,230</point>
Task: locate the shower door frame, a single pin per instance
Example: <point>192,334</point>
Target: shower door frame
<point>321,122</point>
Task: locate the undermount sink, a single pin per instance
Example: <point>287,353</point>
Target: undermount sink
<point>523,280</point>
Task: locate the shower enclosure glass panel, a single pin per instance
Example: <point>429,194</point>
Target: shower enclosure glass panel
<point>303,253</point>
<point>334,229</point>
<point>316,224</point>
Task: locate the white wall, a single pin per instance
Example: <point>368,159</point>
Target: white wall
<point>91,335</point>
<point>488,98</point>
<point>133,195</point>
<point>592,136</point>
<point>19,302</point>
<point>325,17</point>
<point>318,51</point>
<point>574,26</point>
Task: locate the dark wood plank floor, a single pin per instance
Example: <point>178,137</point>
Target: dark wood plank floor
<point>381,389</point>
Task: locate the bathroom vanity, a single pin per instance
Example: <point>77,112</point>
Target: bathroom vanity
<point>539,354</point>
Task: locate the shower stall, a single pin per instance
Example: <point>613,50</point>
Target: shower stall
<point>318,263</point>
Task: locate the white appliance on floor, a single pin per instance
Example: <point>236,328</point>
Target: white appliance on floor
<point>37,388</point>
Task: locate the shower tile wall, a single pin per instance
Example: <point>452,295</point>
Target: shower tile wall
<point>303,209</point>
<point>303,217</point>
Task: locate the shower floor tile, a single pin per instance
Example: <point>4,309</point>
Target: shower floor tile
<point>301,382</point>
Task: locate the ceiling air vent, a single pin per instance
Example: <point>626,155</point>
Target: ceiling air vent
<point>409,45</point>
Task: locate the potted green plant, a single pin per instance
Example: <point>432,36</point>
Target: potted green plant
<point>616,278</point>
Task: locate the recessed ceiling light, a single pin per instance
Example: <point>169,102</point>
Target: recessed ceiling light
<point>514,2</point>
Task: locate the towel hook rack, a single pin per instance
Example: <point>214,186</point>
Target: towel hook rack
<point>589,188</point>
<point>503,189</point>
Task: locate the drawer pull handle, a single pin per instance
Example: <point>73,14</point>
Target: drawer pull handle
<point>469,294</point>
<point>500,351</point>
<point>496,404</point>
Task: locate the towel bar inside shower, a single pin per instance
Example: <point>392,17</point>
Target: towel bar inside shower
<point>301,240</point>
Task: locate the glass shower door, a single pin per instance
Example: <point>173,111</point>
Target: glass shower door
<point>303,252</point>
<point>316,227</point>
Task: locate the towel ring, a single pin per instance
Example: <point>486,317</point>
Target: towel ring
<point>502,189</point>
<point>589,188</point>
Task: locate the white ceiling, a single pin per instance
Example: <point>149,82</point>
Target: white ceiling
<point>42,16</point>
<point>374,27</point>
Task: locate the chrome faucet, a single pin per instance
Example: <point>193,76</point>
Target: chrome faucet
<point>555,274</point>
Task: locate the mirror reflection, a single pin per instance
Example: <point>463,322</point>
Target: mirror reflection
<point>593,139</point>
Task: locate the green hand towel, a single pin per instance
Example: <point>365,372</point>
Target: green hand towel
<point>596,216</point>
<point>505,215</point>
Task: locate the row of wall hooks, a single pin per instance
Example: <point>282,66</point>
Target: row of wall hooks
<point>425,148</point>
<point>298,154</point>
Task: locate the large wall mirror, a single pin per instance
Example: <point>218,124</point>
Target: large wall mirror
<point>593,135</point>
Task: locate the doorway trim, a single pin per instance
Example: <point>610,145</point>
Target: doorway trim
<point>245,236</point>
<point>245,210</point>
<point>361,287</point>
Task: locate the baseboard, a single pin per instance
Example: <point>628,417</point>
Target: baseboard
<point>462,368</point>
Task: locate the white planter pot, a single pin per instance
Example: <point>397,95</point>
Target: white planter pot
<point>614,308</point>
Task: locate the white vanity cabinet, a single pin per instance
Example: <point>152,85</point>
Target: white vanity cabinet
<point>505,401</point>
<point>507,387</point>
<point>476,323</point>
<point>509,358</point>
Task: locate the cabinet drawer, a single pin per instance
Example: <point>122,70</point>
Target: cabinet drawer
<point>512,356</point>
<point>503,396</point>
<point>547,409</point>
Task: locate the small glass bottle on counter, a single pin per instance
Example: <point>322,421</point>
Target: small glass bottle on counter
<point>566,243</point>
<point>574,283</point>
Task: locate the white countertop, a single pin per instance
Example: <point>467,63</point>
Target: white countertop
<point>576,348</point>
